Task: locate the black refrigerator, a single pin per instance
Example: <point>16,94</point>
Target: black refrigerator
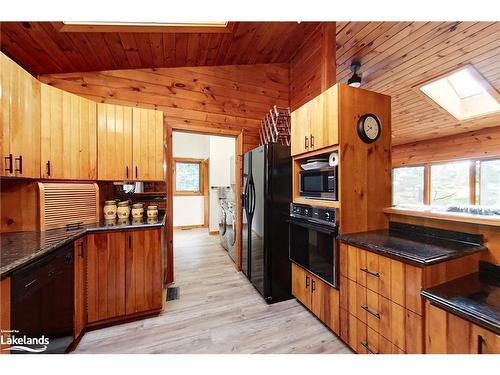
<point>266,197</point>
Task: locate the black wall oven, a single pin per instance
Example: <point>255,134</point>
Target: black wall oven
<point>319,183</point>
<point>313,243</point>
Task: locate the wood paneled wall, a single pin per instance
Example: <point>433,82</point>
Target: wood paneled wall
<point>234,97</point>
<point>484,143</point>
<point>313,67</point>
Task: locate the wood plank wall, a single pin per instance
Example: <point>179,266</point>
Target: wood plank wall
<point>313,67</point>
<point>484,143</point>
<point>234,97</point>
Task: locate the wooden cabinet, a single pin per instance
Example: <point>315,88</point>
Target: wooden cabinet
<point>114,142</point>
<point>4,313</point>
<point>143,273</point>
<point>317,296</point>
<point>130,143</point>
<point>446,333</point>
<point>69,135</point>
<point>19,120</point>
<point>148,144</point>
<point>105,262</point>
<point>124,273</point>
<point>315,124</point>
<point>382,295</point>
<point>80,313</point>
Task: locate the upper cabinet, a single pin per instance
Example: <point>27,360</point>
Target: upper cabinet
<point>20,121</point>
<point>69,144</point>
<point>147,145</point>
<point>130,143</point>
<point>315,124</point>
<point>114,146</point>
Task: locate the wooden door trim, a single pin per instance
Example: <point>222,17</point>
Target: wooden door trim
<point>169,228</point>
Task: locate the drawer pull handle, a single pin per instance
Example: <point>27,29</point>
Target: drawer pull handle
<point>367,347</point>
<point>370,311</point>
<point>20,160</point>
<point>313,285</point>
<point>376,274</point>
<point>31,283</point>
<point>306,142</point>
<point>307,281</point>
<point>312,141</point>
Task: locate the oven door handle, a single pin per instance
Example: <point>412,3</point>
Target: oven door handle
<point>317,227</point>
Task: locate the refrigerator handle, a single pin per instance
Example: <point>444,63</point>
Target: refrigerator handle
<point>252,185</point>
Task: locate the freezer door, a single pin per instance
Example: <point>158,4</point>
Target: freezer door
<point>245,196</point>
<point>257,210</point>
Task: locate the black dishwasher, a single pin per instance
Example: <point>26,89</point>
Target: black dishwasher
<point>42,302</point>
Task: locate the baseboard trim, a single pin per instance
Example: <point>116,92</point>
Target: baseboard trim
<point>187,227</point>
<point>213,233</point>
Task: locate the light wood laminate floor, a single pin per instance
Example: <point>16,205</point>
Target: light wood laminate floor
<point>219,311</point>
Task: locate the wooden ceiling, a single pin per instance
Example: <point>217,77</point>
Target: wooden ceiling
<point>397,57</point>
<point>42,49</point>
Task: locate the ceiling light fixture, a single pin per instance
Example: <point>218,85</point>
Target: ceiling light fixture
<point>355,80</point>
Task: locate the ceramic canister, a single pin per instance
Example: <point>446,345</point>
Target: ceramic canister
<point>152,212</point>
<point>123,210</point>
<point>137,210</point>
<point>109,210</point>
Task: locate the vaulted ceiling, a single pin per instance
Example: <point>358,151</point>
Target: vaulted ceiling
<point>42,49</point>
<point>396,58</point>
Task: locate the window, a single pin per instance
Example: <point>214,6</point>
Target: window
<point>489,183</point>
<point>465,94</point>
<point>408,185</point>
<point>463,183</point>
<point>188,177</point>
<point>450,184</point>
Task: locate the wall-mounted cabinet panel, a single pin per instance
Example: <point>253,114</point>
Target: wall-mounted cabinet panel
<point>20,121</point>
<point>148,141</point>
<point>114,142</point>
<point>69,144</point>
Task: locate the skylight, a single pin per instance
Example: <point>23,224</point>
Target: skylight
<point>465,94</point>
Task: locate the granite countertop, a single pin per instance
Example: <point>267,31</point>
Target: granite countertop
<point>413,244</point>
<point>474,297</point>
<point>17,249</point>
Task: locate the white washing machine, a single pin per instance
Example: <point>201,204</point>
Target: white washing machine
<point>231,230</point>
<point>223,224</point>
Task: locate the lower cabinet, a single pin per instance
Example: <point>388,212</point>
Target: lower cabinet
<point>317,296</point>
<point>446,333</point>
<point>4,314</point>
<point>124,274</point>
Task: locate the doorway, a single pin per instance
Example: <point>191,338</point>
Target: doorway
<point>204,185</point>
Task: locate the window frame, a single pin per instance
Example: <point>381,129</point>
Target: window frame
<point>410,166</point>
<point>473,197</point>
<point>202,178</point>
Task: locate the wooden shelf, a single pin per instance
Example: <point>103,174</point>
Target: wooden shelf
<point>448,216</point>
<point>317,202</point>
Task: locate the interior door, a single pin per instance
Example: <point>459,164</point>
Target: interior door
<point>143,286</point>
<point>105,275</point>
<point>245,238</point>
<point>257,198</point>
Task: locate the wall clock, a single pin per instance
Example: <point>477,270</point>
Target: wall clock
<point>369,128</point>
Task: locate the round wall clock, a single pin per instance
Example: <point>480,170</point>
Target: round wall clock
<point>369,128</point>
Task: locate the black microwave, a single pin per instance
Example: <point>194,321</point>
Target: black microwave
<point>319,183</point>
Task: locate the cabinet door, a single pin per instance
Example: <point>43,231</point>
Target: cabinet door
<point>325,304</point>
<point>143,283</point>
<point>301,284</point>
<point>69,135</point>
<point>105,275</point>
<point>20,117</point>
<point>324,127</point>
<point>148,150</point>
<point>299,132</point>
<point>114,142</point>
<point>4,314</point>
<point>80,313</point>
<point>484,341</point>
